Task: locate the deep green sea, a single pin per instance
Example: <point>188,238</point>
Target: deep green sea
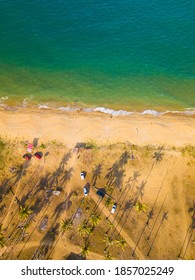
<point>132,55</point>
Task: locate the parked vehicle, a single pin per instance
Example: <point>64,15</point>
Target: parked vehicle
<point>100,193</point>
<point>86,192</point>
<point>83,174</point>
<point>113,208</point>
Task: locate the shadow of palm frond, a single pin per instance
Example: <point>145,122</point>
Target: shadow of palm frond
<point>63,206</point>
<point>140,191</point>
<point>67,176</point>
<point>46,243</point>
<point>158,156</point>
<point>54,178</point>
<point>96,173</point>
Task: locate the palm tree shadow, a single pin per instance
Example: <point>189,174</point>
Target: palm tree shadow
<point>67,176</point>
<point>158,156</point>
<point>189,232</point>
<point>63,206</point>
<point>115,169</point>
<point>96,173</point>
<point>46,243</point>
<point>53,179</point>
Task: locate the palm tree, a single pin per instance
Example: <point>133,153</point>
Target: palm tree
<point>83,229</point>
<point>109,201</point>
<point>108,240</point>
<point>121,242</point>
<point>24,212</point>
<point>66,225</point>
<point>95,219</point>
<point>85,249</point>
<point>140,207</point>
<point>108,255</point>
<point>2,240</point>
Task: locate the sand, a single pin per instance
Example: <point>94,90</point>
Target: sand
<point>70,128</point>
<point>165,186</point>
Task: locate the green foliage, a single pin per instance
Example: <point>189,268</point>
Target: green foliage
<point>140,207</point>
<point>108,201</point>
<point>83,229</point>
<point>121,242</point>
<point>95,219</point>
<point>24,212</point>
<point>85,249</point>
<point>2,156</point>
<point>66,225</point>
<point>147,150</point>
<point>108,256</point>
<point>2,144</point>
<point>188,150</point>
<point>91,145</point>
<point>43,146</point>
<point>2,238</point>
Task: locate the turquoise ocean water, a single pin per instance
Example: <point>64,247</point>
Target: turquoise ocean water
<point>132,55</point>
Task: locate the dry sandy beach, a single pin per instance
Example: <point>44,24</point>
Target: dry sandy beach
<point>160,175</point>
<point>75,127</point>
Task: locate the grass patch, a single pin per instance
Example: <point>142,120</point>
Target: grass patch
<point>188,150</point>
<point>92,145</point>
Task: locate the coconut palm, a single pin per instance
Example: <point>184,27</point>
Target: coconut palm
<point>140,207</point>
<point>66,225</point>
<point>24,212</point>
<point>108,240</point>
<point>95,219</point>
<point>2,240</point>
<point>121,242</point>
<point>85,249</point>
<point>83,229</point>
<point>108,255</point>
<point>109,201</point>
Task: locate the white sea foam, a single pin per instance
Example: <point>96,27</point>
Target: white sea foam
<point>43,106</point>
<point>151,112</point>
<point>112,112</point>
<point>68,109</point>
<point>187,112</point>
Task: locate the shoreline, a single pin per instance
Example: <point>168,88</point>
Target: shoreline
<point>105,109</point>
<point>101,109</point>
<point>78,126</point>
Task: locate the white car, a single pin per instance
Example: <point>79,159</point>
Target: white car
<point>113,208</point>
<point>82,175</point>
<point>85,191</point>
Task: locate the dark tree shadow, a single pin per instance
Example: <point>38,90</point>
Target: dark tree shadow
<point>96,173</point>
<point>54,178</point>
<point>39,204</point>
<point>111,176</point>
<point>46,243</point>
<point>158,156</point>
<point>189,232</point>
<point>129,204</point>
<point>63,206</point>
<point>164,218</point>
<point>139,191</point>
<point>67,176</point>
